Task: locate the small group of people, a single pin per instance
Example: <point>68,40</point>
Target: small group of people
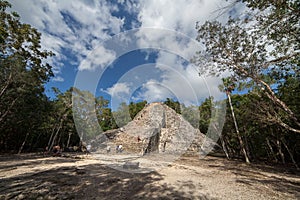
<point>56,151</point>
<point>119,148</point>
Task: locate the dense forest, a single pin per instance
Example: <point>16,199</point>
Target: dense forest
<point>261,124</point>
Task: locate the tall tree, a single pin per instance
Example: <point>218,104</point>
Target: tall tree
<point>228,88</point>
<point>23,73</point>
<point>62,124</point>
<point>86,109</point>
<point>255,47</point>
<point>104,114</point>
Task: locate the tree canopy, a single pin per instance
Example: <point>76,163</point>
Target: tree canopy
<point>23,72</point>
<point>260,50</point>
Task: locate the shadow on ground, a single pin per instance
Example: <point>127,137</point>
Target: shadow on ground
<point>93,181</point>
<point>278,178</point>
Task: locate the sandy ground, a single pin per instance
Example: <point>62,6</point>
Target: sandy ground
<point>31,176</point>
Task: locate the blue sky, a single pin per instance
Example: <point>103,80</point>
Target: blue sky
<point>125,50</point>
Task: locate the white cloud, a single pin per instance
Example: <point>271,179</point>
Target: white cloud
<point>169,77</point>
<point>131,6</point>
<point>80,26</point>
<point>181,15</point>
<point>184,81</point>
<point>99,57</point>
<point>153,91</point>
<point>118,89</point>
<point>77,26</point>
<point>167,40</point>
<point>58,79</point>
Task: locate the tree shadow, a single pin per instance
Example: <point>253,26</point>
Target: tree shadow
<point>279,184</point>
<point>92,181</point>
<point>279,178</point>
<point>19,161</point>
<point>12,157</point>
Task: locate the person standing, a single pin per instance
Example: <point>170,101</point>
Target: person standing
<point>88,148</point>
<point>120,148</point>
<point>108,149</point>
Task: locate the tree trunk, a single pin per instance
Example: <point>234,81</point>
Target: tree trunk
<point>222,140</point>
<point>2,117</point>
<point>37,141</point>
<point>272,96</point>
<point>58,141</point>
<point>224,147</point>
<point>271,150</point>
<point>51,137</point>
<point>3,89</point>
<point>237,130</point>
<point>55,136</point>
<point>69,138</point>
<point>278,143</point>
<point>23,144</point>
<point>249,153</point>
<point>290,153</point>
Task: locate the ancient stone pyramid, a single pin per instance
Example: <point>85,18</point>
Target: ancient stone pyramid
<point>157,129</point>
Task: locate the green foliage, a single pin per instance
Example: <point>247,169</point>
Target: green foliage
<point>106,120</point>
<point>279,21</point>
<point>135,108</point>
<point>260,50</point>
<point>79,116</point>
<point>175,105</point>
<point>191,114</point>
<point>23,72</point>
<point>61,126</point>
<point>87,112</point>
<point>289,92</point>
<point>122,115</point>
<point>125,113</point>
<point>205,110</point>
<point>242,46</point>
<point>255,131</point>
<point>104,114</point>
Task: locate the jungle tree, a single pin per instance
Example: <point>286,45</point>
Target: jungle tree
<point>23,73</point>
<point>260,48</point>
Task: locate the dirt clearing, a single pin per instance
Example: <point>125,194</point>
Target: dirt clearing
<point>31,176</point>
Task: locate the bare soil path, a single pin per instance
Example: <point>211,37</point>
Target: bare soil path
<point>30,176</point>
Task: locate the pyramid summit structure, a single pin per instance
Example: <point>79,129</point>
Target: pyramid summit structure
<point>157,128</point>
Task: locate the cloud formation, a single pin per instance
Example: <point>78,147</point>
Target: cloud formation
<point>80,28</point>
<point>118,90</point>
<point>74,26</point>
